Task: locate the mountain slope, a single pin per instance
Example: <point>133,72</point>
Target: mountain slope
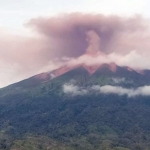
<point>95,70</point>
<point>38,107</point>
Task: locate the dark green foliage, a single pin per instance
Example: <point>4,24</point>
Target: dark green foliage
<point>43,117</point>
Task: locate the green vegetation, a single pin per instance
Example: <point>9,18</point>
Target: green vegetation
<point>44,118</point>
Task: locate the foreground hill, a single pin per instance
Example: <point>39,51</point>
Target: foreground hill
<point>62,110</point>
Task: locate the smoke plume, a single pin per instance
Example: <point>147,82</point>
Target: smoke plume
<point>124,41</point>
<point>71,34</point>
<point>93,42</point>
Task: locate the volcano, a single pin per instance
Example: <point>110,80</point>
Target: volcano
<point>78,106</point>
<point>91,70</point>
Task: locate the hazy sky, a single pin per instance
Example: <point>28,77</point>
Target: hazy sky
<point>14,13</point>
<point>23,54</point>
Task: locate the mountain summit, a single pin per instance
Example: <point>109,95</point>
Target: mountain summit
<point>91,70</point>
<point>88,65</point>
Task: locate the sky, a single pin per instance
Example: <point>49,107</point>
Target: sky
<point>15,13</point>
<point>35,34</point>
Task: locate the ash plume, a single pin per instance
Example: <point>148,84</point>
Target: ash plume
<point>93,42</point>
<point>122,40</point>
<point>68,33</point>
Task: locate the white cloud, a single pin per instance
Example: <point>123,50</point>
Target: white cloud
<point>106,89</point>
<point>131,60</point>
<point>118,80</point>
<point>74,89</point>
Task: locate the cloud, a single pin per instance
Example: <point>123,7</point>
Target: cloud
<point>118,80</point>
<point>75,90</point>
<point>69,32</point>
<point>108,89</point>
<point>122,40</point>
<point>140,91</point>
<point>134,60</point>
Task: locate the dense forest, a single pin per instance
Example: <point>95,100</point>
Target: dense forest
<point>43,117</point>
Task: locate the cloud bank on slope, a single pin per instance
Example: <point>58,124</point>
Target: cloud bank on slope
<point>75,90</point>
<point>133,59</point>
<point>118,80</point>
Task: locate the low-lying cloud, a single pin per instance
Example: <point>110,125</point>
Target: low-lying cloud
<point>75,90</point>
<point>118,80</point>
<point>134,60</point>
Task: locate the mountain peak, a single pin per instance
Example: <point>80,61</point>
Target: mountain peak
<point>91,68</point>
<point>113,67</point>
<point>85,62</point>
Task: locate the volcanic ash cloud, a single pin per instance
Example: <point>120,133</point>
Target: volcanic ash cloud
<point>94,42</point>
<point>124,41</point>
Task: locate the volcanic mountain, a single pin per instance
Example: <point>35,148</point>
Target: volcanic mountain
<point>80,106</point>
<point>91,69</point>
